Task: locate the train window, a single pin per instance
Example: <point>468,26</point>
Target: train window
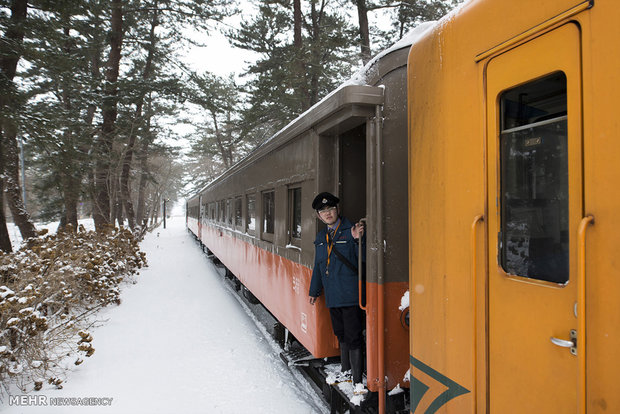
<point>251,218</point>
<point>294,202</point>
<point>229,212</point>
<point>269,209</point>
<point>222,213</point>
<point>212,211</point>
<point>238,215</point>
<point>534,180</point>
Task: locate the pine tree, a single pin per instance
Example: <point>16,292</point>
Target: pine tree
<point>408,14</point>
<point>65,51</point>
<point>289,77</point>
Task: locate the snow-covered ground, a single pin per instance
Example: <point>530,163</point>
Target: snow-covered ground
<point>180,342</point>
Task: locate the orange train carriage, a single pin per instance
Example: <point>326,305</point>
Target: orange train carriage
<point>514,214</point>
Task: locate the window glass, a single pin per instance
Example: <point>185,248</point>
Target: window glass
<point>212,211</point>
<point>222,212</point>
<point>229,212</point>
<point>295,212</point>
<point>251,206</point>
<point>268,211</point>
<point>238,214</point>
<point>534,180</point>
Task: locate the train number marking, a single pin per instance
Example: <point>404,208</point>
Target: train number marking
<point>296,284</point>
<point>304,322</point>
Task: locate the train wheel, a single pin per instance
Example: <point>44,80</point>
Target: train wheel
<point>279,334</point>
<point>229,275</point>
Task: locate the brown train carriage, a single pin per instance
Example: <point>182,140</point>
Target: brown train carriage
<point>257,217</point>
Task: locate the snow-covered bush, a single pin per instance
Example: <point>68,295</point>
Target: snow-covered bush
<point>49,291</point>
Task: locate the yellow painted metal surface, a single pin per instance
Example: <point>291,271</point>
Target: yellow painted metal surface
<point>525,313</point>
<point>480,339</point>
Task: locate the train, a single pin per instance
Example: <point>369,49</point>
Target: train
<point>482,155</point>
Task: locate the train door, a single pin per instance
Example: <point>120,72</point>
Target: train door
<point>534,210</point>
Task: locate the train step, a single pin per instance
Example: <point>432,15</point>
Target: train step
<point>297,357</point>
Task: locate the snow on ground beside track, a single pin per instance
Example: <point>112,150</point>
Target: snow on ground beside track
<point>16,237</point>
<point>180,343</point>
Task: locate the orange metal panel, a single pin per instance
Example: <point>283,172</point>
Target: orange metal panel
<point>396,336</point>
<point>282,287</point>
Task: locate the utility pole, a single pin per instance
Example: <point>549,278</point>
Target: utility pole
<point>164,212</point>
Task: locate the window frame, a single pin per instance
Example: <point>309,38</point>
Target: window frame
<point>293,191</point>
<point>525,221</point>
<point>250,213</point>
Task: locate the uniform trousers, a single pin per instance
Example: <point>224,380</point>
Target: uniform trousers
<point>348,325</point>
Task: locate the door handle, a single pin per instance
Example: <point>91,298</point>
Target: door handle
<point>572,343</point>
<point>562,342</point>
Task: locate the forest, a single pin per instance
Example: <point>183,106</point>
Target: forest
<point>93,94</point>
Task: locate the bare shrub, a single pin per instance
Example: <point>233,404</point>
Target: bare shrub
<point>49,291</point>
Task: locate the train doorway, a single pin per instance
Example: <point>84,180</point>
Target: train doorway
<point>352,174</point>
<point>535,198</point>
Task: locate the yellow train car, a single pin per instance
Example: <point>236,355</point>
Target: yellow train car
<point>514,159</point>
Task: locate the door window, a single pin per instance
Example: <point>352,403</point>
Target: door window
<point>534,180</point>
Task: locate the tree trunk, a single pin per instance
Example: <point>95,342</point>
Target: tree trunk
<point>5,240</point>
<point>69,177</point>
<point>226,158</point>
<point>10,52</point>
<point>101,207</point>
<point>13,192</point>
<point>315,63</point>
<point>299,67</point>
<point>70,190</point>
<point>146,74</point>
<point>141,215</point>
<point>362,13</point>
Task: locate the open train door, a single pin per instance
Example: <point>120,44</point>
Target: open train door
<point>535,207</point>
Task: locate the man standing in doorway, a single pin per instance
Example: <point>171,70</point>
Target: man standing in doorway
<point>335,271</point>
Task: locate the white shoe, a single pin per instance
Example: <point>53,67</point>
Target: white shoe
<point>338,377</point>
<point>359,389</point>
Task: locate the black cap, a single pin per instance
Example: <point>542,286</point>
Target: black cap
<point>325,199</point>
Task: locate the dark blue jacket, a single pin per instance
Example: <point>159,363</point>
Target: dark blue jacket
<point>341,284</point>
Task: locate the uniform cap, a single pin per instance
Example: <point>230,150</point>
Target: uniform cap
<point>325,199</point>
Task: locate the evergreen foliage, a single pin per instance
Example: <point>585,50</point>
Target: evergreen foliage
<point>287,79</point>
<point>93,139</point>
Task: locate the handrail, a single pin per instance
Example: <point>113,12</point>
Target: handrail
<point>474,265</point>
<point>360,269</point>
<point>380,252</point>
<point>581,309</point>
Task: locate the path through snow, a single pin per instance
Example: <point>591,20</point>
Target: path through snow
<point>180,343</point>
